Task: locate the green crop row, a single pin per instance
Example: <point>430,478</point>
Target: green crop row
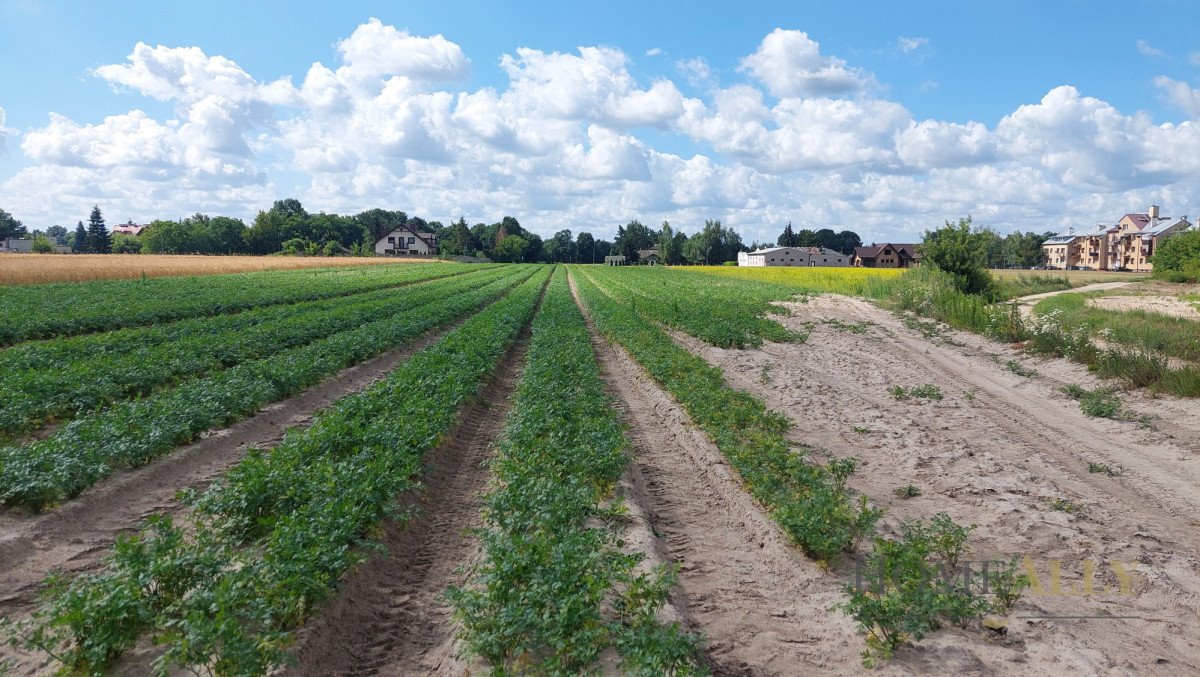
<point>63,309</point>
<point>810,501</point>
<point>268,544</point>
<point>87,379</point>
<point>134,432</point>
<point>554,589</point>
<point>58,352</point>
<point>725,312</point>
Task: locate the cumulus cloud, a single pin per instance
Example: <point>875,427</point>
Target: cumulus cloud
<point>1181,94</point>
<point>790,63</point>
<point>800,136</point>
<point>655,51</point>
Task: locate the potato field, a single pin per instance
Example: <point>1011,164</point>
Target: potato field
<point>464,469</point>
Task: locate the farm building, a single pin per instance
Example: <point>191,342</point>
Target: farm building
<point>649,256</point>
<point>886,255</point>
<point>16,246</point>
<point>405,241</point>
<point>1128,245</point>
<point>793,256</point>
<point>616,260</point>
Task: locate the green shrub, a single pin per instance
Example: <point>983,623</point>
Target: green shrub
<point>1178,258</point>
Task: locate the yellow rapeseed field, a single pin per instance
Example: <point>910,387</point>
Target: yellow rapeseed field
<point>40,268</point>
<point>849,281</point>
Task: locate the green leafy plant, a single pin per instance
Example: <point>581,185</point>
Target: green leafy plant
<point>907,491</point>
<point>1006,584</point>
<point>1019,369</point>
<point>1098,403</point>
<point>554,590</point>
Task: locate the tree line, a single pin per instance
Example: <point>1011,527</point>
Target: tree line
<point>287,228</point>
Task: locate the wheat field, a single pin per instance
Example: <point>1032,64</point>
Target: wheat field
<point>43,268</point>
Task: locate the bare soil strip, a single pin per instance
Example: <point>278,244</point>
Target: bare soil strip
<point>761,604</point>
<point>76,535</point>
<point>999,451</point>
<point>389,617</point>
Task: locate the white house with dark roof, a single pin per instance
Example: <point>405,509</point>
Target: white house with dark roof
<point>793,256</point>
<point>406,241</point>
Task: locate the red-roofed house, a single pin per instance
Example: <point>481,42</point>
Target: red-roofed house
<point>130,228</point>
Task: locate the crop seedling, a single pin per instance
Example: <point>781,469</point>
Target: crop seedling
<point>927,392</point>
<point>861,430</point>
<point>908,491</point>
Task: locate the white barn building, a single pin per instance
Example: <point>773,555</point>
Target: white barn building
<point>793,256</point>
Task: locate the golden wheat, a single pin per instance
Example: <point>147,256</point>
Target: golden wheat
<point>42,268</point>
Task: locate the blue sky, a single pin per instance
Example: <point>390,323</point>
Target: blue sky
<point>882,117</point>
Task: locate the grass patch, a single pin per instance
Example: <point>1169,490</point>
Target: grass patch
<point>908,491</point>
<point>1138,330</point>
<point>1098,403</point>
<point>1014,286</point>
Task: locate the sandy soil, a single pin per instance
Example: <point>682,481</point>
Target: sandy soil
<point>996,452</point>
<point>761,604</point>
<point>390,617</point>
<point>1171,306</point>
<point>76,535</point>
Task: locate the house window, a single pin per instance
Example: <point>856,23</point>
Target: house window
<point>412,241</point>
<point>391,240</point>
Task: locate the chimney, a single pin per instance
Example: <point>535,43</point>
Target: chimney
<point>1071,231</point>
<point>1153,213</point>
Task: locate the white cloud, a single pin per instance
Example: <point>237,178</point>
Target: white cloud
<point>696,71</point>
<point>790,63</point>
<point>655,51</point>
<point>907,45</point>
<point>374,51</point>
<point>5,132</point>
<point>1194,58</point>
<point>1180,94</point>
<point>1146,49</point>
<point>801,136</point>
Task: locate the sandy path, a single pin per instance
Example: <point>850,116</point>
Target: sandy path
<point>390,618</point>
<point>996,452</point>
<point>1026,303</point>
<point>761,604</point>
<point>76,535</point>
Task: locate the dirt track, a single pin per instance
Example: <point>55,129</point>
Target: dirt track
<point>996,452</point>
<point>390,617</point>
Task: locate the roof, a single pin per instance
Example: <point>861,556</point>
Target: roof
<point>1139,220</point>
<point>129,229</point>
<point>908,249</point>
<point>646,253</point>
<point>771,250</point>
<point>1163,226</point>
<point>428,238</point>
